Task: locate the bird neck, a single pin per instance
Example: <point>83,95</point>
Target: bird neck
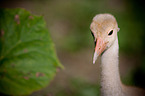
<point>110,78</point>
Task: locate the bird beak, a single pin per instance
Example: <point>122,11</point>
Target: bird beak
<point>99,48</point>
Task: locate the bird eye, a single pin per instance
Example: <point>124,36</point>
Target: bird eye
<point>110,33</point>
<point>93,37</point>
<point>92,34</point>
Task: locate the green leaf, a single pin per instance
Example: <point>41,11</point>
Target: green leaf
<point>28,60</point>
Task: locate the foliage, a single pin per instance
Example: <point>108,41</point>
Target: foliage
<point>28,60</point>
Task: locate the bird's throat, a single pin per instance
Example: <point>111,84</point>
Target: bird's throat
<point>110,78</point>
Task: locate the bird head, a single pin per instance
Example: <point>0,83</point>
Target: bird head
<point>104,28</point>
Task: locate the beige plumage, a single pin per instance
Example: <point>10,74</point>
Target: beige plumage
<point>104,28</point>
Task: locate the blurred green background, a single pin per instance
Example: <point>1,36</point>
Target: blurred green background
<point>68,22</point>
